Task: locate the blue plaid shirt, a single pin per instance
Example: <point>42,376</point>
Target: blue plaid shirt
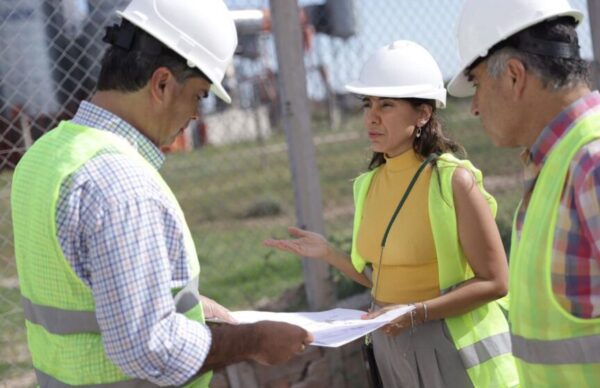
<point>122,237</point>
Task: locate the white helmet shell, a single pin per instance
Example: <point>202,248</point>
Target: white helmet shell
<point>484,23</point>
<point>202,32</point>
<point>402,69</point>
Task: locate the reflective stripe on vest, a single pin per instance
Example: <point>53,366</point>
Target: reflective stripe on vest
<point>61,321</point>
<point>188,297</point>
<point>580,350</point>
<point>483,350</point>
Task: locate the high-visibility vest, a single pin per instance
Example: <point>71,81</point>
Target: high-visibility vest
<point>552,347</point>
<point>62,332</point>
<point>481,336</point>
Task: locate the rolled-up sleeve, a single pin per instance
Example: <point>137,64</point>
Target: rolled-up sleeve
<point>133,246</point>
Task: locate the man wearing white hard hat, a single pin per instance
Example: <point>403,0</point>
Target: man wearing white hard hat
<point>108,270</point>
<point>520,61</point>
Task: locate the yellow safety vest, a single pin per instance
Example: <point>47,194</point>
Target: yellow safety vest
<point>552,347</point>
<point>481,336</point>
<point>62,332</point>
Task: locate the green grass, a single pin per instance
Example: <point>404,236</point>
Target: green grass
<point>244,273</point>
<point>7,267</point>
<point>236,196</point>
<point>14,357</point>
<point>508,200</point>
<point>467,130</point>
<point>218,188</point>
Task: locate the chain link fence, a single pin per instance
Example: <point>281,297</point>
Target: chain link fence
<point>230,168</point>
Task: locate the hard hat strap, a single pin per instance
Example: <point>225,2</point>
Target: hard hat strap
<point>130,38</point>
<point>527,43</point>
<point>548,48</point>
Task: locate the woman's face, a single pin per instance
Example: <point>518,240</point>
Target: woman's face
<point>391,124</point>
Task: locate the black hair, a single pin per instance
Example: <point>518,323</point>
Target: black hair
<point>134,55</point>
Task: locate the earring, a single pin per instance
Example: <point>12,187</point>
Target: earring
<point>419,130</point>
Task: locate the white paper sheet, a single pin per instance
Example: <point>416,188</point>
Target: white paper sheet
<point>331,328</point>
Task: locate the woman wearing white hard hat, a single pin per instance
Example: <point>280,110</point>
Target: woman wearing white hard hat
<point>425,224</point>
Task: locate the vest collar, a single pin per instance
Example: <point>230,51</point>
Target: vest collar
<point>93,116</point>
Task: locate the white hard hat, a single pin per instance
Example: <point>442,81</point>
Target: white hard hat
<point>202,32</point>
<point>484,23</point>
<point>402,69</point>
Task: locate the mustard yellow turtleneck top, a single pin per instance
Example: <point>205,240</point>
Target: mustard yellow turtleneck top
<point>408,271</point>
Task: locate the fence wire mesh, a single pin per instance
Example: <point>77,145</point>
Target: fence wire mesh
<point>229,169</point>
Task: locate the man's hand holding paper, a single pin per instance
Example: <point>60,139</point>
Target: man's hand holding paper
<point>331,328</point>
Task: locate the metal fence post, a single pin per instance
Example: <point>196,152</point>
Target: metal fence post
<point>297,124</point>
<point>594,15</point>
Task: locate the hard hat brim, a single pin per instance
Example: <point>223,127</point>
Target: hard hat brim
<point>220,92</point>
<point>417,91</point>
<point>459,85</point>
<point>215,86</point>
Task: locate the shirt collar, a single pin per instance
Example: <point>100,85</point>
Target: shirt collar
<point>560,125</point>
<point>93,116</point>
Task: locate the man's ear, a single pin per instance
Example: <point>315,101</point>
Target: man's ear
<point>516,76</point>
<point>159,83</point>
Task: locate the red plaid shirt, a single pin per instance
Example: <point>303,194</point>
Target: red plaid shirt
<point>576,256</point>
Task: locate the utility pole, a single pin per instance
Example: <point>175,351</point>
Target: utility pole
<point>594,15</point>
<point>297,124</point>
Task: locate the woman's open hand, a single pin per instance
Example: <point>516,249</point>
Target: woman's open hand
<point>306,244</point>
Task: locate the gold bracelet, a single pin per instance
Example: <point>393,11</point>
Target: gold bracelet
<point>424,312</point>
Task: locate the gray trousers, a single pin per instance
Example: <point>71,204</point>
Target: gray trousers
<point>423,358</point>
